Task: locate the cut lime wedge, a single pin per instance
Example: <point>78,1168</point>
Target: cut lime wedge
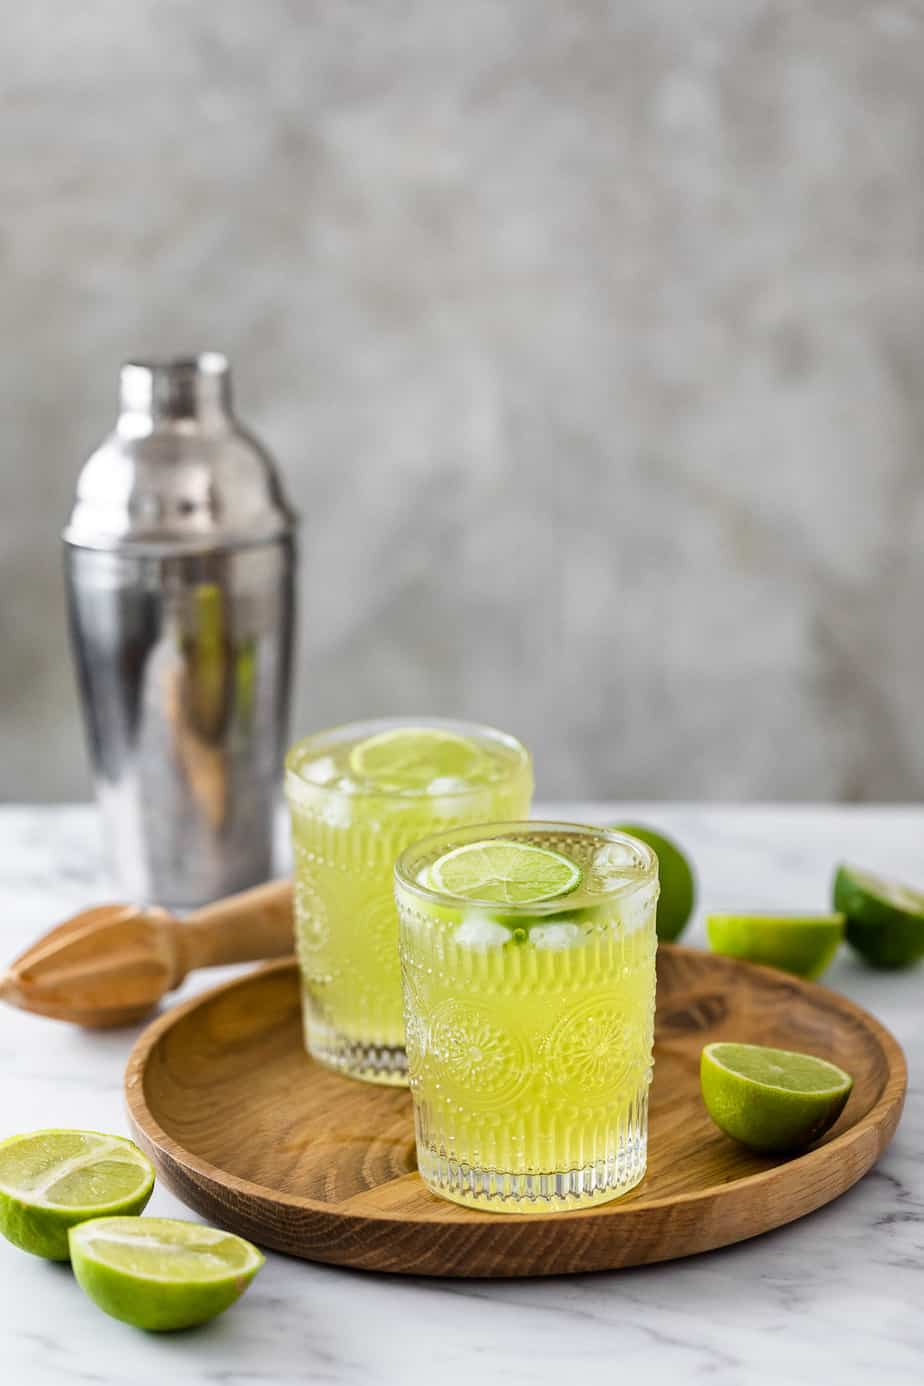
<point>51,1180</point>
<point>774,1101</point>
<point>412,758</point>
<point>803,944</point>
<point>885,920</point>
<point>503,872</point>
<point>161,1273</point>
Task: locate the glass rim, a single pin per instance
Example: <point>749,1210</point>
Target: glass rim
<point>372,726</point>
<point>408,882</point>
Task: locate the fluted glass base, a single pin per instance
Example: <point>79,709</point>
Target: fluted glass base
<point>619,1166</point>
<point>370,1062</point>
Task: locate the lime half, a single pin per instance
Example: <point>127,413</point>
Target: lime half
<point>675,874</point>
<point>503,872</point>
<point>803,944</point>
<point>51,1180</point>
<point>885,920</point>
<point>160,1273</point>
<point>411,758</point>
<point>772,1100</point>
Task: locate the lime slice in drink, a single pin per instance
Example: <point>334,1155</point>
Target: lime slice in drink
<point>885,920</point>
<point>771,1100</point>
<point>509,873</point>
<point>803,944</point>
<point>678,883</point>
<point>160,1273</point>
<point>51,1180</point>
<point>412,758</point>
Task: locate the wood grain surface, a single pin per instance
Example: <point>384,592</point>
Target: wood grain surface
<point>110,965</point>
<point>253,1135</point>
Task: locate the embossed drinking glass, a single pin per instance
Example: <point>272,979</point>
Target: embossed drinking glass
<point>358,795</point>
<point>530,1026</point>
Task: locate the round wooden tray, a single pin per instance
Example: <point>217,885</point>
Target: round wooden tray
<point>248,1131</point>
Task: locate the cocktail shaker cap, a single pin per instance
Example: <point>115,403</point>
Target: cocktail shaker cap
<point>178,473</point>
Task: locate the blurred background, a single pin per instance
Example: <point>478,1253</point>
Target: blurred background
<point>589,337</point>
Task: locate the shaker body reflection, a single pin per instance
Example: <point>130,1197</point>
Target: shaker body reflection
<point>180,561</point>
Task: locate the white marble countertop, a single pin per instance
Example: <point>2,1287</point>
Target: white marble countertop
<point>835,1297</point>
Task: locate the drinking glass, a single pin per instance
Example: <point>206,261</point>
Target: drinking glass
<point>530,1025</point>
<point>358,795</point>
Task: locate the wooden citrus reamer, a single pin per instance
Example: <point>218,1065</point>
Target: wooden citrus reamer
<point>111,964</point>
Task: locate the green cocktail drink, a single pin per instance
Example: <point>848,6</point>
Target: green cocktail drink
<point>528,962</point>
<point>358,795</point>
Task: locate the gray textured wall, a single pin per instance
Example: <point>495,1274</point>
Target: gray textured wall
<point>590,336</point>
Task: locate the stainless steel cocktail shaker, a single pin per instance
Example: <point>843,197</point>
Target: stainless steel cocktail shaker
<point>180,566</point>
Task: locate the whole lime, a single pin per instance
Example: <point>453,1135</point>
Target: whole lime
<point>678,881</point>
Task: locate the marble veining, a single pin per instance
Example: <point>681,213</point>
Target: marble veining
<point>835,1296</point>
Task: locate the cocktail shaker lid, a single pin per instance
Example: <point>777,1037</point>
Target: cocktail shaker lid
<point>178,473</point>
